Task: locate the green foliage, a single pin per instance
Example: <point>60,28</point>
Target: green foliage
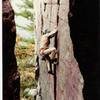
<point>27,4</point>
<point>28,13</point>
<point>28,83</point>
<point>25,49</point>
<point>27,73</point>
<point>28,40</point>
<point>29,28</point>
<point>25,60</point>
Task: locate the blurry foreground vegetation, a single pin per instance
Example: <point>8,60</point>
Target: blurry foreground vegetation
<point>25,60</point>
<point>27,12</point>
<point>25,48</point>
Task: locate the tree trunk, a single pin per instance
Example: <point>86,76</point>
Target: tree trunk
<point>11,83</point>
<point>67,81</point>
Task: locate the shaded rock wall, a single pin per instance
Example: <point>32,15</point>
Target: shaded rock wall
<point>85,34</point>
<point>11,81</point>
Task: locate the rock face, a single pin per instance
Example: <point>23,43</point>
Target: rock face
<point>85,34</point>
<point>67,81</point>
<point>11,80</point>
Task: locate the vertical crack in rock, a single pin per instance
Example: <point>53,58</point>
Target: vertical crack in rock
<point>66,84</point>
<point>45,4</point>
